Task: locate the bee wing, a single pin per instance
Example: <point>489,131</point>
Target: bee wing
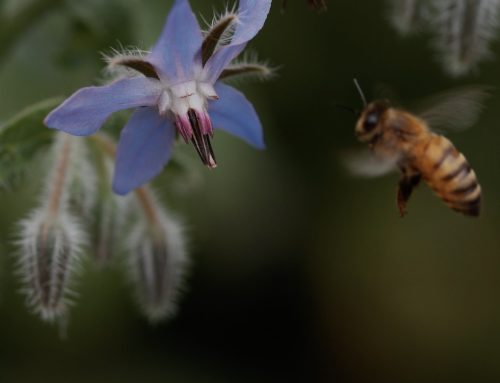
<point>456,109</point>
<point>363,163</point>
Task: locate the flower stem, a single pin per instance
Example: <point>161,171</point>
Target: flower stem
<point>60,177</point>
<point>145,199</point>
<point>56,188</point>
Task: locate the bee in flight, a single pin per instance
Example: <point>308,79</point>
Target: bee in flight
<point>398,138</point>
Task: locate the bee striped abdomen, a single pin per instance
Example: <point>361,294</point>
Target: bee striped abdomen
<point>448,173</point>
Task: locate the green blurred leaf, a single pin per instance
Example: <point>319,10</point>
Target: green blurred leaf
<point>21,138</point>
<point>95,26</point>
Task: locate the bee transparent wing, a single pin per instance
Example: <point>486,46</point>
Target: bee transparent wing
<point>456,109</point>
<point>363,163</point>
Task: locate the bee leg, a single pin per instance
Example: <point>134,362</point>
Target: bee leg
<point>405,188</point>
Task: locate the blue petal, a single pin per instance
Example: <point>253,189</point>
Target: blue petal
<point>175,51</point>
<point>252,15</point>
<point>234,114</point>
<point>87,109</point>
<point>144,148</point>
<point>220,60</point>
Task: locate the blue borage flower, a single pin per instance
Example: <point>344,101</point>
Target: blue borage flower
<point>177,90</point>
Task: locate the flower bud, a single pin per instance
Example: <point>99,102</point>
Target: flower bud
<point>51,239</point>
<point>157,254</point>
<point>51,248</point>
<point>111,212</point>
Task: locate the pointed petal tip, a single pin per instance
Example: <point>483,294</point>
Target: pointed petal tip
<point>86,110</point>
<point>47,120</point>
<point>174,53</point>
<point>122,189</point>
<point>260,146</point>
<point>252,15</point>
<point>50,120</point>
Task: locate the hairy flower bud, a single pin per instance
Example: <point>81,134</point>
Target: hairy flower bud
<point>50,251</point>
<point>157,254</point>
<point>51,239</point>
<point>109,223</point>
<point>109,212</point>
<point>465,30</point>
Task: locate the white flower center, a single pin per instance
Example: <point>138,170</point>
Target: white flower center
<point>180,98</point>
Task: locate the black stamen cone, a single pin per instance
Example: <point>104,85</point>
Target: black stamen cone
<point>201,141</point>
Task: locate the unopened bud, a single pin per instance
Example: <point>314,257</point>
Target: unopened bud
<point>158,262</point>
<point>109,224</point>
<point>50,249</point>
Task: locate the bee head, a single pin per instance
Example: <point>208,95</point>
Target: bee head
<point>369,124</point>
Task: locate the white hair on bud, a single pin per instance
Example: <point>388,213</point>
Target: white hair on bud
<point>51,249</point>
<point>464,31</point>
<point>157,260</point>
<point>51,239</point>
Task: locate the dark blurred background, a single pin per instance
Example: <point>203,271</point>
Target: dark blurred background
<point>301,273</point>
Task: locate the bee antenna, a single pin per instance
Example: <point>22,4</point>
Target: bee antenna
<point>363,98</point>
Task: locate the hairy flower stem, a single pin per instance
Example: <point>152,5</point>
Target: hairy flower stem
<point>55,195</point>
<point>145,199</point>
<point>51,239</point>
<point>60,178</point>
<point>57,187</point>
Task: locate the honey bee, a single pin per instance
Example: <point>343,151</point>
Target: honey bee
<point>406,140</point>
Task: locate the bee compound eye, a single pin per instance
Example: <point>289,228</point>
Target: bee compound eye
<point>371,121</point>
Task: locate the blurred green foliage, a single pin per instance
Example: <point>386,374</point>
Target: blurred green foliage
<point>301,273</point>
<point>22,138</point>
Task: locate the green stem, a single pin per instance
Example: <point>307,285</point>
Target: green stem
<point>61,170</point>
